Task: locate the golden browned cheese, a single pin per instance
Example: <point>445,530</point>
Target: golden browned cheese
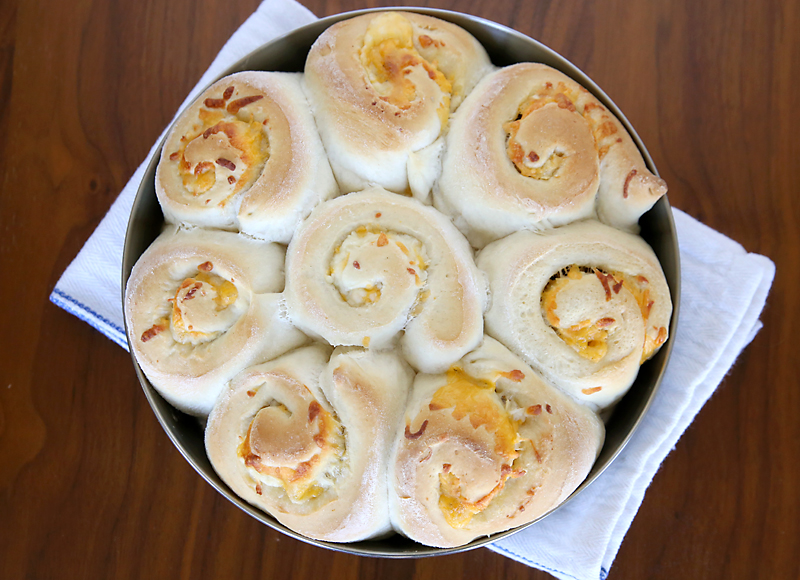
<point>569,98</point>
<point>476,399</point>
<point>584,304</point>
<point>466,396</point>
<point>194,291</point>
<point>382,87</point>
<point>202,304</point>
<point>297,479</point>
<point>223,136</point>
<point>564,97</point>
<point>245,156</point>
<point>530,148</point>
<point>306,438</point>
<point>517,152</point>
<point>388,55</point>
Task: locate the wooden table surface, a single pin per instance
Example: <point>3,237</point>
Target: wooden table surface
<point>90,485</point>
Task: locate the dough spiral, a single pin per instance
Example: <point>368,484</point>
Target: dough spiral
<point>245,155</point>
<point>486,447</point>
<point>202,305</point>
<point>584,304</point>
<point>532,149</point>
<point>368,265</point>
<point>306,437</point>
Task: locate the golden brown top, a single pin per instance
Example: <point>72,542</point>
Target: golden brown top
<point>476,399</point>
<point>293,449</point>
<point>552,97</point>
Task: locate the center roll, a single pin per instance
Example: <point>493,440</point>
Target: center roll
<point>368,266</point>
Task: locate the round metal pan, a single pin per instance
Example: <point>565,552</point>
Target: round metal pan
<point>505,46</point>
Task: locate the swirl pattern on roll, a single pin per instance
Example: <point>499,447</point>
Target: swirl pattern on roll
<point>245,156</point>
<point>530,148</point>
<point>202,305</point>
<point>306,438</point>
<point>584,304</point>
<point>487,446</point>
<point>368,265</point>
<point>382,87</point>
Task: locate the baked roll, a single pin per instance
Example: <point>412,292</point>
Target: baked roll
<point>382,87</point>
<point>306,439</point>
<point>583,304</point>
<point>485,447</point>
<point>245,155</point>
<point>366,266</point>
<point>532,149</point>
<point>200,306</point>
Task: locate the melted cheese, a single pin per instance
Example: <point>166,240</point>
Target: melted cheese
<point>530,163</point>
<point>302,476</point>
<point>458,512</point>
<point>201,308</point>
<point>222,155</point>
<point>604,130</point>
<point>476,399</point>
<point>389,56</point>
<point>589,338</point>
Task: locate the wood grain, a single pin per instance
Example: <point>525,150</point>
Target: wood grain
<point>91,487</point>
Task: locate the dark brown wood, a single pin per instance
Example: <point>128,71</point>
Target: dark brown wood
<point>91,487</point>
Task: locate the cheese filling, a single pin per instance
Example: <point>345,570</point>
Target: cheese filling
<point>589,337</point>
<point>534,161</point>
<point>225,151</point>
<point>476,399</point>
<point>548,115</point>
<point>395,68</point>
<point>203,308</point>
<point>531,161</point>
<point>295,451</point>
<point>369,260</point>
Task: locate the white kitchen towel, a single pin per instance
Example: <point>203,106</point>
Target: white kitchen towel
<point>723,293</point>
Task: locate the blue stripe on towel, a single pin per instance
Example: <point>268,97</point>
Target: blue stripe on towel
<point>68,303</point>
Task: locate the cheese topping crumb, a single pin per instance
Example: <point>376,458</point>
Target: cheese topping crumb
<point>589,337</point>
<point>299,468</point>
